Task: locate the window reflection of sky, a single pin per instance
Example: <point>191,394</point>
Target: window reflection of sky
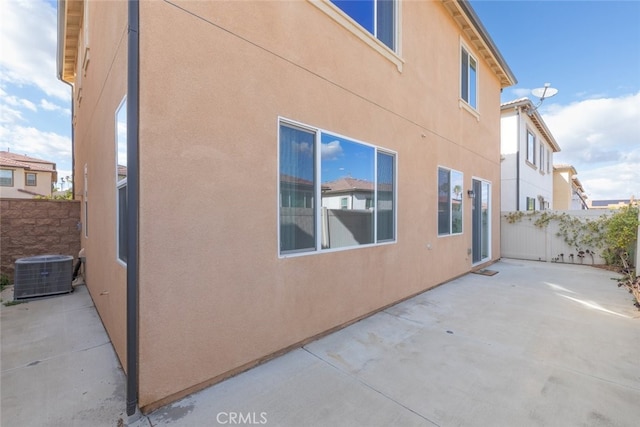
<point>342,157</point>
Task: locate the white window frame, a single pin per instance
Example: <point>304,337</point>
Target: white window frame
<point>450,233</point>
<point>318,192</point>
<point>531,160</point>
<point>335,13</point>
<point>466,102</point>
<point>120,184</point>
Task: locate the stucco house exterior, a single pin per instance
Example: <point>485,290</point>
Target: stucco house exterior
<point>568,192</point>
<point>210,254</point>
<point>527,148</point>
<point>25,177</point>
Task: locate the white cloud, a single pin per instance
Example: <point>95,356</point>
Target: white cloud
<point>331,150</point>
<point>51,106</point>
<point>601,139</point>
<point>36,143</point>
<point>28,36</point>
<point>9,115</point>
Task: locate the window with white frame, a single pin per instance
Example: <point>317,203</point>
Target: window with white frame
<point>316,162</point>
<point>30,179</point>
<point>86,201</point>
<point>531,147</point>
<point>450,189</point>
<point>548,160</point>
<point>121,181</point>
<point>531,204</point>
<point>378,17</point>
<point>468,78</point>
<point>541,158</point>
<point>6,178</point>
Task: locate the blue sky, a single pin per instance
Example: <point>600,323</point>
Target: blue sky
<point>588,50</point>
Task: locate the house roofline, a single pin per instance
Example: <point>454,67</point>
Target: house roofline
<point>527,106</point>
<point>470,23</point>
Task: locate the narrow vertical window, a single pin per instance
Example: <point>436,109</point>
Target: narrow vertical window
<point>86,201</point>
<point>297,189</point>
<point>121,181</point>
<point>386,197</point>
<point>531,148</point>
<point>450,191</point>
<point>468,79</point>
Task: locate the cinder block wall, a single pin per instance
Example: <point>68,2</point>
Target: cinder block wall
<point>31,227</point>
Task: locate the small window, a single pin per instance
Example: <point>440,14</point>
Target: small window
<point>30,179</point>
<point>378,17</point>
<point>6,178</point>
<point>531,204</point>
<point>344,203</point>
<point>548,160</point>
<point>449,201</point>
<point>541,158</point>
<point>531,148</point>
<point>469,79</point>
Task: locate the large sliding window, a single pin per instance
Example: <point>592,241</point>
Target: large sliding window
<point>449,201</point>
<point>354,183</point>
<point>376,16</point>
<point>121,181</point>
<point>468,78</point>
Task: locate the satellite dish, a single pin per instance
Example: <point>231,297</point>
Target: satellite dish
<point>544,92</point>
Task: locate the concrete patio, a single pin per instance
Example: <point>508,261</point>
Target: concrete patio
<point>537,344</point>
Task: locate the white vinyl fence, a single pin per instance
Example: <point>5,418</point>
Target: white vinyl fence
<point>522,239</point>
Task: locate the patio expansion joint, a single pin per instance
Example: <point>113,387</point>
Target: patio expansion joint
<point>369,386</point>
<point>59,355</point>
<point>595,377</point>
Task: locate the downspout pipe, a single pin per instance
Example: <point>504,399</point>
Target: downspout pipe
<point>133,185</point>
<point>60,67</point>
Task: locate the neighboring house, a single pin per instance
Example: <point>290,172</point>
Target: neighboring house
<point>568,193</point>
<point>24,177</point>
<point>611,203</point>
<point>527,148</point>
<point>214,251</point>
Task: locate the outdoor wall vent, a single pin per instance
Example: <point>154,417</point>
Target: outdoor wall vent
<point>42,275</point>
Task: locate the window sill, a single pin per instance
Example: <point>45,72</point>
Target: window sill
<point>343,19</point>
<point>465,106</point>
<point>531,165</point>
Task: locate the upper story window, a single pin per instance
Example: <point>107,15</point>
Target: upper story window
<point>468,78</point>
<point>376,16</point>
<point>531,147</point>
<point>30,179</point>
<point>6,178</point>
<point>449,201</point>
<point>348,188</point>
<point>541,158</point>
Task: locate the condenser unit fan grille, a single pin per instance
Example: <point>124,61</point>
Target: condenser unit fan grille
<point>42,275</point>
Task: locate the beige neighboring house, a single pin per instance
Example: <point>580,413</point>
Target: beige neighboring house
<point>611,203</point>
<point>568,192</point>
<point>214,253</point>
<point>24,177</point>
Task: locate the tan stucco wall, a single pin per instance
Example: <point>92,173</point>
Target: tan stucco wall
<point>561,190</point>
<point>102,85</point>
<point>214,296</point>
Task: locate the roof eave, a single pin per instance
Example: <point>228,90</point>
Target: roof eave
<point>69,22</point>
<point>471,25</point>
